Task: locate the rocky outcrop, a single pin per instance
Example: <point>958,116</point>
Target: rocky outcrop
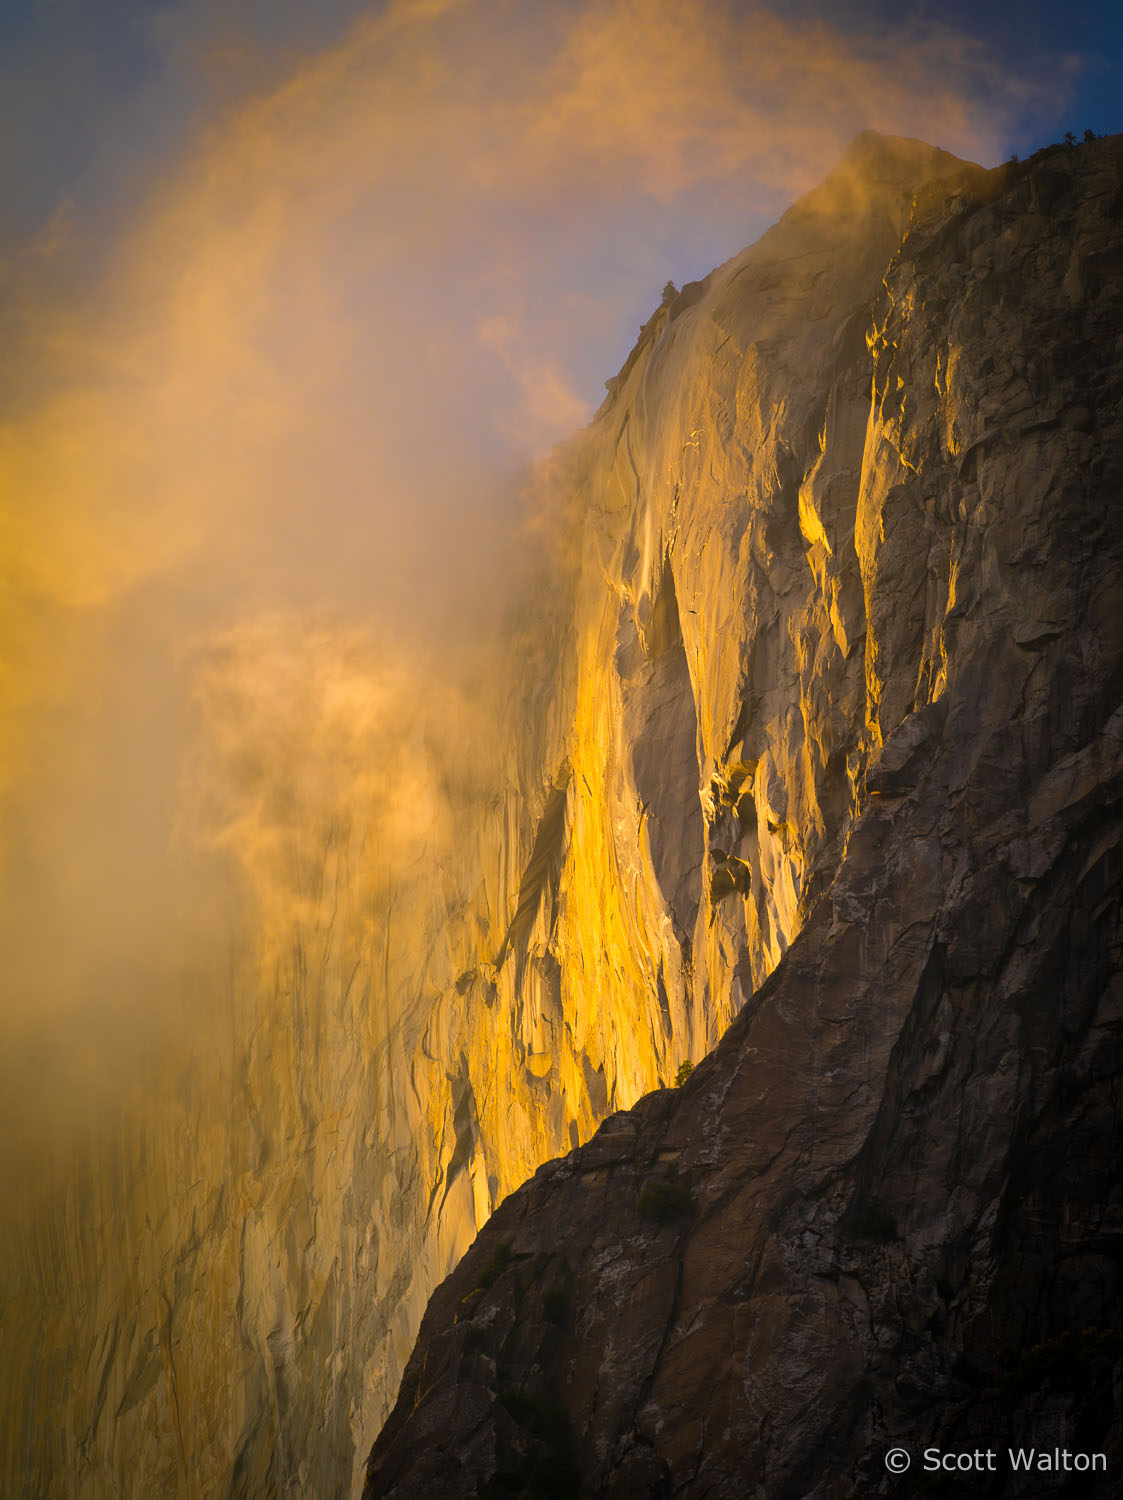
<point>851,522</point>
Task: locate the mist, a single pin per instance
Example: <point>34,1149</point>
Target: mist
<point>273,407</point>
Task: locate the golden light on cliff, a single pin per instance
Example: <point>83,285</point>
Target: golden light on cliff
<point>261,492</point>
<point>237,417</point>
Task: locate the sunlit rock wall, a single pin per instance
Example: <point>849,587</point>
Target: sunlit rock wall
<point>221,1300</point>
<point>885,1210</point>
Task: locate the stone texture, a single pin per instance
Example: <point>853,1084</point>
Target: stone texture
<point>863,484</point>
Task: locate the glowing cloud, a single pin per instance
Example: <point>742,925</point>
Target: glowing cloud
<point>307,370</point>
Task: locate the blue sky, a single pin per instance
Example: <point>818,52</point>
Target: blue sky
<point>92,93</point>
<point>1035,37</point>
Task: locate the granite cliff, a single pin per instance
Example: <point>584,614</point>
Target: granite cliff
<point>808,774</point>
<point>851,568</point>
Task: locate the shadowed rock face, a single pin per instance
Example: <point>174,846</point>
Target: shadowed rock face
<point>879,455</point>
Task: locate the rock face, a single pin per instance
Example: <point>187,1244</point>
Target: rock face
<point>813,735</point>
<point>851,570</point>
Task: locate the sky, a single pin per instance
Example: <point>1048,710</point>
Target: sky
<point>90,92</point>
<point>292,299</point>
<point>96,98</point>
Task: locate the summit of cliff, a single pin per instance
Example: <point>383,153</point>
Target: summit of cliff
<point>882,170</point>
<point>870,197</point>
<point>848,635</point>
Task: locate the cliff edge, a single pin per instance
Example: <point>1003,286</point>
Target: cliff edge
<point>853,530</point>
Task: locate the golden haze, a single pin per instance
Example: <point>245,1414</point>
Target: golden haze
<point>302,379</point>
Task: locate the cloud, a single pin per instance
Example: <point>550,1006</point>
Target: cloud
<point>547,397</point>
<point>318,741</point>
<point>304,284</point>
<point>304,370</point>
